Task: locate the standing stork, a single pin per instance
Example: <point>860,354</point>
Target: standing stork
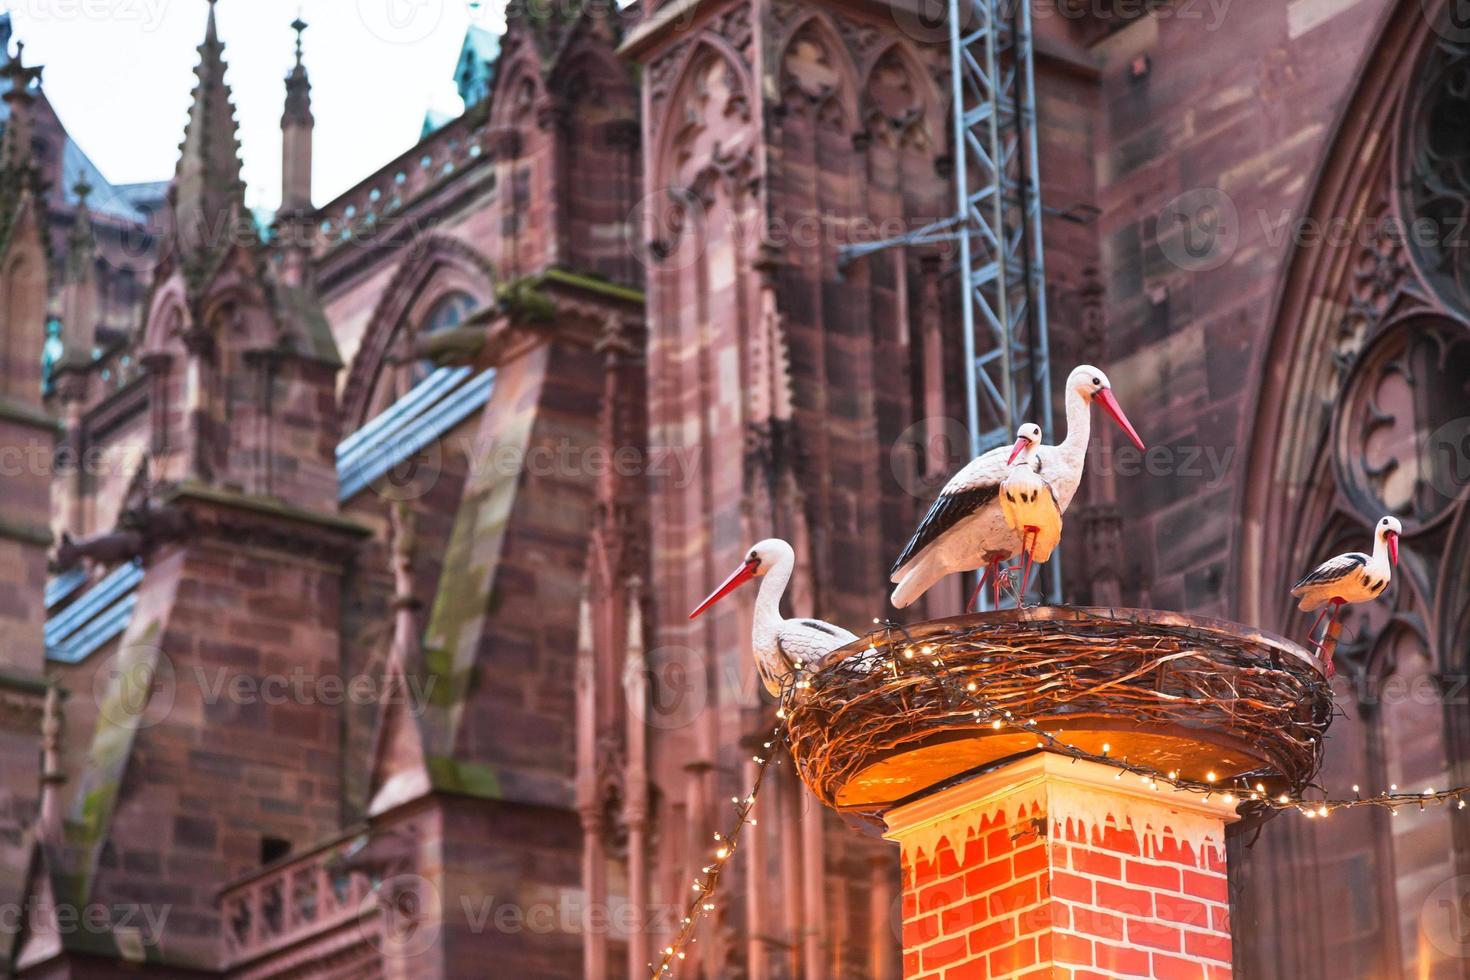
<point>1350,578</point>
<point>965,527</point>
<point>1030,503</point>
<point>782,647</point>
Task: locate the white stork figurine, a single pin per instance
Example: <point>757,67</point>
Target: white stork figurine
<point>965,527</point>
<point>1350,578</point>
<point>1029,503</point>
<point>781,646</point>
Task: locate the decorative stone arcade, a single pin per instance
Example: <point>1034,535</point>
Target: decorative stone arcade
<point>1059,781</point>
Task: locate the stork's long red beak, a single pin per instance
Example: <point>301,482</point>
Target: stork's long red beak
<point>1020,445</point>
<point>1105,398</point>
<point>1392,537</point>
<point>737,578</point>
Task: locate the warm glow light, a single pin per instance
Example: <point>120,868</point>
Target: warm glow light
<point>1210,776</point>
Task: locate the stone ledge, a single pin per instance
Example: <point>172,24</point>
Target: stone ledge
<point>34,418</point>
<point>36,534</point>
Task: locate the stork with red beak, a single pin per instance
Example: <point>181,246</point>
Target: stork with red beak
<point>1350,578</point>
<point>965,527</point>
<point>782,647</point>
<point>1030,504</point>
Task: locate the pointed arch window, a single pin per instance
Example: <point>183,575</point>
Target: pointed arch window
<point>448,312</point>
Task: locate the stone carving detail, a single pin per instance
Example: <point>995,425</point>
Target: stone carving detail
<point>1407,385</point>
<point>810,82</point>
<point>893,108</point>
<point>784,13</point>
<point>662,75</point>
<point>860,39</point>
<point>1435,161</point>
<point>714,144</point>
<point>734,26</point>
<point>1380,271</point>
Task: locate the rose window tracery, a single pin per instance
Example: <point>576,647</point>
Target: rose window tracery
<point>1436,171</point>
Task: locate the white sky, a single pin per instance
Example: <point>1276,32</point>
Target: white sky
<point>119,73</point>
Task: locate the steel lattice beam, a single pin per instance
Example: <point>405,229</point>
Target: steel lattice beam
<point>998,201</point>
<point>997,223</point>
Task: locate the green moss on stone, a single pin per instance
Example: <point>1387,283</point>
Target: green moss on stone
<point>468,778</point>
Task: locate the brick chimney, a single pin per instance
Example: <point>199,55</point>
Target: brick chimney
<point>1052,868</point>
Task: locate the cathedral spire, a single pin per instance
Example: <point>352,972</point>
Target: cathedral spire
<point>18,170</point>
<point>79,300</point>
<point>208,193</point>
<point>296,130</point>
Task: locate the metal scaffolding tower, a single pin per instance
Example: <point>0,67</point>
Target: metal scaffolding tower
<point>997,219</point>
<point>997,223</point>
<point>999,209</point>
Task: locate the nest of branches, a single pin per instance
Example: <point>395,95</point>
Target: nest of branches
<point>1050,671</point>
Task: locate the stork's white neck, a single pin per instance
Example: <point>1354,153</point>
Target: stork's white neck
<point>1079,424</point>
<point>1071,454</point>
<point>1379,560</point>
<point>773,587</point>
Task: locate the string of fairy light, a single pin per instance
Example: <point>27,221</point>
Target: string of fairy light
<point>1246,792</point>
<point>703,900</point>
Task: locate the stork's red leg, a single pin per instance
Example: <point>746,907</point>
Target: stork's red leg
<point>1337,604</point>
<point>1312,633</point>
<point>995,571</point>
<point>975,595</point>
<point>1032,533</point>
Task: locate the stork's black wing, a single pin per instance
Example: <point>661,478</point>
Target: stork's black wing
<point>820,626</point>
<point>947,510</point>
<point>1332,569</point>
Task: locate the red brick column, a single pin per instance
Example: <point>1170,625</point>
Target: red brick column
<point>1053,869</point>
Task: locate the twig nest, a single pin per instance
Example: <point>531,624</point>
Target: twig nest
<point>1215,702</point>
